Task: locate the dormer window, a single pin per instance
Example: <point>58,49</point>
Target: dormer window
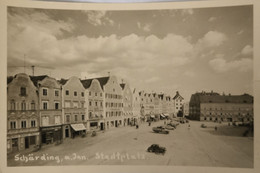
<point>23,91</point>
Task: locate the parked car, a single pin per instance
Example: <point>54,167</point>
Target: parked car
<point>160,129</point>
<point>203,126</point>
<point>172,125</point>
<point>168,127</point>
<point>155,148</point>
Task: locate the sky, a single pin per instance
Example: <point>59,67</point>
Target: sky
<point>185,50</point>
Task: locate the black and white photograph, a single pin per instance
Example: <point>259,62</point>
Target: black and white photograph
<point>137,87</point>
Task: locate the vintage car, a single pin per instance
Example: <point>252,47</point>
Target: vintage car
<point>173,124</point>
<point>155,148</point>
<point>169,127</point>
<point>160,129</point>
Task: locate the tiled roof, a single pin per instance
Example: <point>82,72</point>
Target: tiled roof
<point>177,95</point>
<point>9,79</point>
<point>36,79</point>
<point>63,81</point>
<point>86,83</point>
<point>217,98</point>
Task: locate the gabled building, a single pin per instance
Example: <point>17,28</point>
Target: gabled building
<point>113,101</point>
<point>73,107</point>
<point>95,104</point>
<point>50,114</point>
<point>22,114</point>
<point>137,110</point>
<point>211,106</point>
<point>127,104</point>
<point>178,101</point>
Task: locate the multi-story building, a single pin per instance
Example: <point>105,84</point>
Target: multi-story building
<point>50,114</point>
<point>22,113</point>
<point>73,107</point>
<point>137,111</point>
<point>127,104</point>
<point>215,107</point>
<point>178,101</point>
<point>156,102</point>
<point>94,104</point>
<point>113,101</point>
<point>163,103</point>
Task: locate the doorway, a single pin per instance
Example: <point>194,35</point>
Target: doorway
<point>15,144</point>
<point>67,134</point>
<point>116,123</point>
<point>101,126</point>
<point>26,141</point>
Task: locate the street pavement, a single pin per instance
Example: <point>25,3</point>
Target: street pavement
<point>194,146</point>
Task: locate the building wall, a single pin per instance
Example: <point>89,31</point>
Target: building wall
<point>22,107</point>
<point>136,105</point>
<point>95,105</point>
<point>127,103</point>
<point>73,106</point>
<point>226,112</point>
<point>113,103</point>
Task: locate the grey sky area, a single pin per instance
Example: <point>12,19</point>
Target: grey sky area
<point>154,50</point>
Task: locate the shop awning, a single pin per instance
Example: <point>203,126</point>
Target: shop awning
<point>152,116</point>
<point>162,116</point>
<point>78,127</point>
<point>166,115</point>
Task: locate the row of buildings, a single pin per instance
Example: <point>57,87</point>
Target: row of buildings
<point>43,110</point>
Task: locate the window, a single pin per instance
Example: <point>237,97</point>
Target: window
<point>82,94</point>
<point>101,104</point>
<point>67,92</point>
<point>57,119</point>
<point>45,120</point>
<point>89,93</point>
<point>67,104</point>
<point>75,104</point>
<point>45,105</point>
<point>82,105</point>
<point>57,105</point>
<point>23,105</point>
<point>13,124</point>
<point>89,103</point>
<point>44,92</point>
<point>33,123</point>
<point>33,105</point>
<point>56,93</point>
<point>75,93</point>
<point>12,105</point>
<point>67,118</point>
<point>95,94</point>
<point>95,103</point>
<point>100,94</point>
<point>76,117</point>
<point>23,91</point>
<point>83,117</point>
<point>23,124</point>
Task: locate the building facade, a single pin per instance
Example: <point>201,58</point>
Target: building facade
<point>73,108</point>
<point>215,107</point>
<point>95,104</point>
<point>127,105</point>
<point>178,101</point>
<point>50,113</point>
<point>22,114</point>
<point>113,101</point>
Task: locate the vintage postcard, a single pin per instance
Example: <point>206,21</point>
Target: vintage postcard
<point>135,87</point>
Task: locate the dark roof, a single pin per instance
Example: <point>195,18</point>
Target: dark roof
<point>217,98</point>
<point>177,95</point>
<point>86,83</point>
<point>122,85</point>
<point>9,79</point>
<point>36,79</point>
<point>63,81</point>
<point>103,81</point>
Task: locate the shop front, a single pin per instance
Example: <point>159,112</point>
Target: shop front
<point>78,130</point>
<point>51,135</point>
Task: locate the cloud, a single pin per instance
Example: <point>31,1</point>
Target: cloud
<point>189,73</point>
<point>211,19</point>
<point>220,65</point>
<point>247,50</point>
<point>212,39</point>
<point>152,80</point>
<point>145,27</point>
<point>98,18</point>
